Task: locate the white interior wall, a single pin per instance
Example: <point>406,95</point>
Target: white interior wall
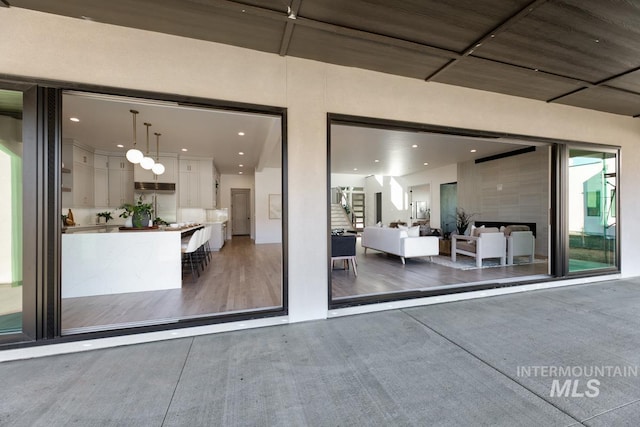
<point>91,52</point>
<point>434,178</point>
<point>347,180</point>
<point>227,182</point>
<point>419,193</point>
<point>267,182</point>
<point>395,199</point>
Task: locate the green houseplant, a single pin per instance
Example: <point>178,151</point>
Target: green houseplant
<point>463,219</point>
<point>139,212</point>
<point>106,215</point>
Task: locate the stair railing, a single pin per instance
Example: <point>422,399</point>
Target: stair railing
<point>343,200</point>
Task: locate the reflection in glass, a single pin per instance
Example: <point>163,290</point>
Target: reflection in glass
<point>592,210</point>
<point>191,261</point>
<point>11,213</point>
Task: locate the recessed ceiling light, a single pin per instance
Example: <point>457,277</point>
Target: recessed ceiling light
<point>241,133</point>
<point>355,169</point>
<point>241,153</point>
<point>414,146</point>
<point>377,161</point>
<point>241,166</point>
<point>240,172</point>
<point>120,146</point>
<point>473,151</point>
<point>184,149</point>
<point>74,119</point>
<point>425,163</point>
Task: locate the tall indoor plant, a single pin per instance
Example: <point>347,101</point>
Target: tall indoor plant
<point>463,219</point>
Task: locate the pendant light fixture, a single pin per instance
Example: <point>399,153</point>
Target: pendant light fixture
<point>134,155</point>
<point>147,161</point>
<point>158,168</point>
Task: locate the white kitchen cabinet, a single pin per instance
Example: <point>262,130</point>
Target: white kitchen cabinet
<point>170,170</point>
<point>169,175</point>
<point>206,179</point>
<point>218,235</point>
<point>80,155</point>
<point>101,180</point>
<point>196,184</point>
<point>142,175</point>
<point>120,181</point>
<point>83,179</point>
<point>188,189</point>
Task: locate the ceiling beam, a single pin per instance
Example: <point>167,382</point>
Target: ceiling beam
<point>288,29</point>
<point>603,83</point>
<point>503,26</point>
<point>330,28</point>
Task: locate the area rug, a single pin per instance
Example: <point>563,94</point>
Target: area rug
<point>468,263</point>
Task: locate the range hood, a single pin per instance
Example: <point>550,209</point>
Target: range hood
<point>155,186</point>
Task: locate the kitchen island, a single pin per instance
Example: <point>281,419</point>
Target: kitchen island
<point>121,262</point>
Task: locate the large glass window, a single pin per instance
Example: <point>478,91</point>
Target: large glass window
<point>592,210</point>
<point>210,241</point>
<point>397,199</point>
<point>11,213</point>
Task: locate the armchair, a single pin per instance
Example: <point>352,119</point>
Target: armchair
<point>483,243</point>
<point>520,243</point>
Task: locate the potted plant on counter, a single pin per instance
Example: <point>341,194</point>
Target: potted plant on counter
<point>139,212</point>
<point>104,217</point>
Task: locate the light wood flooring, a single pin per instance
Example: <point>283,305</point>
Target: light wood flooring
<point>382,273</point>
<point>242,276</point>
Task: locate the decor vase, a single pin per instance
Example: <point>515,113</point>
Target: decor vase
<point>141,219</point>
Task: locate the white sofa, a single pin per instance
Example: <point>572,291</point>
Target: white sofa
<point>397,242</point>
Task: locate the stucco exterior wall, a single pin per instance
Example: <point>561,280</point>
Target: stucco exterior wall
<point>47,46</point>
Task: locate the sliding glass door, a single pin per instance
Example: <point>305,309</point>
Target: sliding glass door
<point>592,210</point>
<point>11,213</point>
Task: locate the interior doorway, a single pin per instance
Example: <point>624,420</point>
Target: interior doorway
<point>240,212</point>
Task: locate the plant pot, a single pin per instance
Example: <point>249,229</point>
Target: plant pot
<point>141,220</point>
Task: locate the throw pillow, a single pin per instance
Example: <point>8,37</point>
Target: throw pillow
<point>414,231</point>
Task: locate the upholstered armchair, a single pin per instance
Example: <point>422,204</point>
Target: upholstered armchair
<point>520,242</point>
<point>483,243</point>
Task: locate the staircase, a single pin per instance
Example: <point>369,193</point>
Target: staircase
<point>339,218</point>
<point>357,210</point>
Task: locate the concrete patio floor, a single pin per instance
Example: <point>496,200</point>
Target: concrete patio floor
<point>452,364</point>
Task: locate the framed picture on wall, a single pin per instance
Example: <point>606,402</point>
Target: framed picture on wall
<point>421,210</point>
<point>275,206</point>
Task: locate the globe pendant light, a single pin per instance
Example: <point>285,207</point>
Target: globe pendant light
<point>134,155</point>
<point>147,162</point>
<point>158,168</point>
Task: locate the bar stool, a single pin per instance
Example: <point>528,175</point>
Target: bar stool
<point>189,252</point>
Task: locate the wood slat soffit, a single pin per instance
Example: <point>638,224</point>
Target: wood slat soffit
<point>584,53</point>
